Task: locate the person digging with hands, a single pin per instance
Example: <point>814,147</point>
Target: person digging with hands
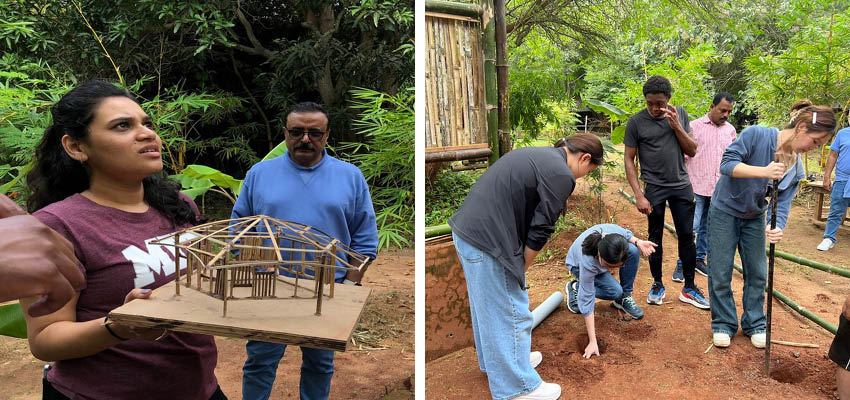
<point>739,213</point>
<point>593,259</point>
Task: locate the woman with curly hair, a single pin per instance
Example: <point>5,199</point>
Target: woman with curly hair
<point>97,181</point>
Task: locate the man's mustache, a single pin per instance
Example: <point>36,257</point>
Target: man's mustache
<point>304,146</point>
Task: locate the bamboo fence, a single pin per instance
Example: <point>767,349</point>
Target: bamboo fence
<point>455,103</point>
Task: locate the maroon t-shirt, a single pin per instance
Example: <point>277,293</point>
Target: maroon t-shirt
<point>113,246</point>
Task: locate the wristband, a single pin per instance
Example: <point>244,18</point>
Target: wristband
<point>111,332</point>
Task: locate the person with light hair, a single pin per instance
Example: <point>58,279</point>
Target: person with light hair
<point>739,214</point>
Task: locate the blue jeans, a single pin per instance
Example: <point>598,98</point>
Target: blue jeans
<point>702,203</point>
<point>607,287</point>
<point>837,206</point>
<point>727,233</point>
<point>317,369</point>
<point>501,323</point>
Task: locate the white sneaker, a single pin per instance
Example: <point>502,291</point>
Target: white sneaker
<point>535,358</point>
<point>826,244</point>
<point>721,339</point>
<point>759,339</point>
<point>546,391</point>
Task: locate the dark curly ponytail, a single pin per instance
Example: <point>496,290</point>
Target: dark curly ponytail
<point>55,175</point>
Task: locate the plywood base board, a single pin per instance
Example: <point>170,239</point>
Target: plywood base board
<point>283,320</point>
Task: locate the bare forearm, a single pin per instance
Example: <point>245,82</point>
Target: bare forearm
<point>631,176</point>
<point>63,340</point>
<point>529,255</point>
<point>686,142</point>
<point>830,164</point>
<point>591,328</point>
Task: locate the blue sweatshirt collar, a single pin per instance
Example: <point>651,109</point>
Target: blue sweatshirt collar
<point>293,164</point>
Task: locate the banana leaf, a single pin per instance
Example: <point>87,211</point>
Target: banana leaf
<point>12,321</point>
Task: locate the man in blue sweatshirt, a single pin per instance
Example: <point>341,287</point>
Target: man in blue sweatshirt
<point>308,186</point>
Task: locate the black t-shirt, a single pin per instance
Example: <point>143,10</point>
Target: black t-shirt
<point>515,204</point>
<point>662,162</point>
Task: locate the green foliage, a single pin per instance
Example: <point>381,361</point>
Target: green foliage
<point>447,193</point>
<point>12,322</point>
<point>386,160</point>
<point>815,65</point>
<point>540,85</point>
<point>196,180</point>
<point>179,117</point>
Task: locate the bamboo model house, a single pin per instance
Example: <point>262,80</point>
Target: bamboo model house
<point>251,252</point>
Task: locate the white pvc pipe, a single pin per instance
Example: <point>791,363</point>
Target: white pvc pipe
<point>544,309</point>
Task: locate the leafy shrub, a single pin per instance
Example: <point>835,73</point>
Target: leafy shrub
<point>386,160</point>
<point>447,193</point>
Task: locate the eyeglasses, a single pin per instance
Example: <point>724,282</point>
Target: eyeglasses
<point>298,133</point>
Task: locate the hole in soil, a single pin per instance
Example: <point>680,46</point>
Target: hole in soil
<point>791,373</point>
<point>581,343</point>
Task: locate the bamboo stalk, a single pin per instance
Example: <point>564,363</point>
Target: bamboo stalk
<point>433,90</point>
<point>177,264</point>
<point>794,344</point>
<point>464,57</point>
<point>456,80</point>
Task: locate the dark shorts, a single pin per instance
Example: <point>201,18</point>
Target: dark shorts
<point>840,349</point>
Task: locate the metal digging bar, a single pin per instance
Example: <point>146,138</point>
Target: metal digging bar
<point>783,298</point>
<point>771,259</point>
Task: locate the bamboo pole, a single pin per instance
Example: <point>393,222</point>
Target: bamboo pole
<point>443,82</point>
<point>432,86</point>
<point>502,76</point>
<point>457,79</point>
<point>464,80</point>
<point>796,307</point>
<point>454,8</point>
<point>490,79</point>
<point>438,230</point>
<point>795,344</point>
<point>320,289</point>
<point>451,83</point>
<point>333,271</point>
<point>177,264</point>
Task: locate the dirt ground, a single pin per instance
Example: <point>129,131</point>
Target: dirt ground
<point>668,353</point>
<point>379,364</point>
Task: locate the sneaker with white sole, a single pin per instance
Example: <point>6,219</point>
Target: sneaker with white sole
<point>546,391</point>
<point>572,296</point>
<point>721,339</point>
<point>758,339</point>
<point>694,297</point>
<point>656,294</point>
<point>826,244</point>
<point>535,358</point>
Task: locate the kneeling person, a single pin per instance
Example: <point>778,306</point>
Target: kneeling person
<point>593,258</point>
